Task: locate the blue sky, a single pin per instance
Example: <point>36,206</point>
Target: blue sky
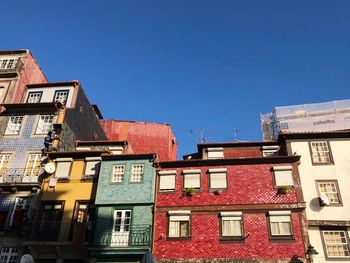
<point>194,64</point>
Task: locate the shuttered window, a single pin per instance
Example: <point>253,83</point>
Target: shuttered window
<point>218,178</point>
<point>167,180</point>
<point>63,168</point>
<point>192,179</point>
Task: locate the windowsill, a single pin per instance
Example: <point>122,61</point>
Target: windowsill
<point>166,191</point>
<point>320,164</point>
<point>63,180</point>
<point>232,239</point>
<point>178,238</point>
<point>281,239</point>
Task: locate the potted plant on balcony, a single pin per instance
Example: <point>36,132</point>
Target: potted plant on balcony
<point>190,191</point>
<point>284,189</point>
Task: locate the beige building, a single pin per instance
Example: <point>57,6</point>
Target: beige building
<point>325,179</point>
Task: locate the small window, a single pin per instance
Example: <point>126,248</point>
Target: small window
<point>14,125</point>
<point>136,173</point>
<point>63,168</point>
<point>92,166</point>
<point>9,254</point>
<point>4,163</point>
<point>320,152</point>
<point>44,124</point>
<point>118,173</point>
<point>336,243</point>
<point>269,151</point>
<point>331,190</point>
<point>179,224</point>
<point>33,167</point>
<point>231,225</point>
<point>8,64</point>
<point>283,175</point>
<point>34,97</point>
<point>218,178</point>
<point>192,179</point>
<point>215,153</point>
<point>116,149</point>
<point>61,96</point>
<point>167,180</point>
<point>280,225</point>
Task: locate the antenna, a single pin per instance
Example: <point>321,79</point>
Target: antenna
<point>235,134</point>
<point>202,138</point>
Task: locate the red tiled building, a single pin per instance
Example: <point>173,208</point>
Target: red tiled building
<point>230,201</point>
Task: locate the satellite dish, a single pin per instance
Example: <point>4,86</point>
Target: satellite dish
<point>27,258</point>
<point>324,199</point>
<point>50,168</point>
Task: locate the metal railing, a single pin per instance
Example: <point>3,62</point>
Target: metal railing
<point>20,175</point>
<point>136,236</point>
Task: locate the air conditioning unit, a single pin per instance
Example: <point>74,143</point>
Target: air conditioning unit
<point>324,201</point>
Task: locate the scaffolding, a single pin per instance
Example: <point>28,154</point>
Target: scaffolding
<point>325,116</point>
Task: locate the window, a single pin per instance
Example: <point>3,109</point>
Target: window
<point>118,174</point>
<point>218,178</point>
<point>7,64</point>
<point>215,153</point>
<point>116,149</point>
<point>280,224</point>
<point>179,224</point>
<point>6,205</point>
<point>34,97</point>
<point>63,168</point>
<point>167,180</point>
<point>121,228</point>
<point>283,175</point>
<point>44,124</point>
<point>336,243</point>
<point>9,254</point>
<point>320,152</point>
<point>270,150</point>
<point>192,179</point>
<point>20,212</point>
<point>32,167</point>
<point>4,163</point>
<point>136,173</point>
<point>14,125</point>
<point>231,225</point>
<point>92,166</point>
<point>331,190</point>
<point>61,96</point>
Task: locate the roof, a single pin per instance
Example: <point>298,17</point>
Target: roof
<point>75,154</point>
<point>235,144</point>
<point>138,122</point>
<point>230,161</point>
<point>14,52</point>
<point>30,107</point>
<point>54,84</point>
<point>86,143</point>
<point>97,111</point>
<point>128,156</point>
<point>314,135</point>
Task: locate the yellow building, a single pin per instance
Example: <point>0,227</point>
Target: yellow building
<point>66,210</point>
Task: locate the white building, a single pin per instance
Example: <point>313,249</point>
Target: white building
<point>325,180</point>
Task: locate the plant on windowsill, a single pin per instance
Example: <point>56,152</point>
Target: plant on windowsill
<point>284,189</point>
<point>218,191</point>
<point>190,191</point>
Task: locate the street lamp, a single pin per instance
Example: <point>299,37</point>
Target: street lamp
<point>310,252</point>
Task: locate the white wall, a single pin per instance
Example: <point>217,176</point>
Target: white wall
<point>49,93</point>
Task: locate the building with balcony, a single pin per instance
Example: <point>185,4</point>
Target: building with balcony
<point>230,202</point>
<point>124,208</point>
<point>18,68</point>
<point>66,211</point>
<point>325,179</point>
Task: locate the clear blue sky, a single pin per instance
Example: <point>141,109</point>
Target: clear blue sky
<point>193,64</point>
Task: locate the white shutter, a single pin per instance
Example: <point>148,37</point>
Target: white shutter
<point>192,180</point>
<point>283,175</point>
<point>63,168</point>
<point>215,153</point>
<point>167,182</point>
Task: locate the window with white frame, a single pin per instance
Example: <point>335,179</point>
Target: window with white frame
<point>137,173</point>
<point>167,180</point>
<point>34,97</point>
<point>283,175</point>
<point>8,64</point>
<point>331,190</point>
<point>92,166</point>
<point>61,96</point>
<point>63,168</point>
<point>280,224</point>
<point>270,150</point>
<point>218,178</point>
<point>231,224</point>
<point>4,163</point>
<point>118,173</point>
<point>44,124</point>
<point>179,224</point>
<point>192,178</point>
<point>33,165</point>
<point>9,254</point>
<point>14,125</point>
<point>215,153</point>
<point>321,153</point>
<point>336,243</point>
<point>116,149</point>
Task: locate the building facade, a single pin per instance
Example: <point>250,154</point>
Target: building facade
<point>124,208</point>
<point>233,202</point>
<point>324,173</point>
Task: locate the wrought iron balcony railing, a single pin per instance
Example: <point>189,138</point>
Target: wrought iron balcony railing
<point>20,175</point>
<point>136,236</point>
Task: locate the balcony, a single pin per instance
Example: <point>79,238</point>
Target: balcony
<point>139,236</point>
<point>11,65</point>
<point>16,177</point>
